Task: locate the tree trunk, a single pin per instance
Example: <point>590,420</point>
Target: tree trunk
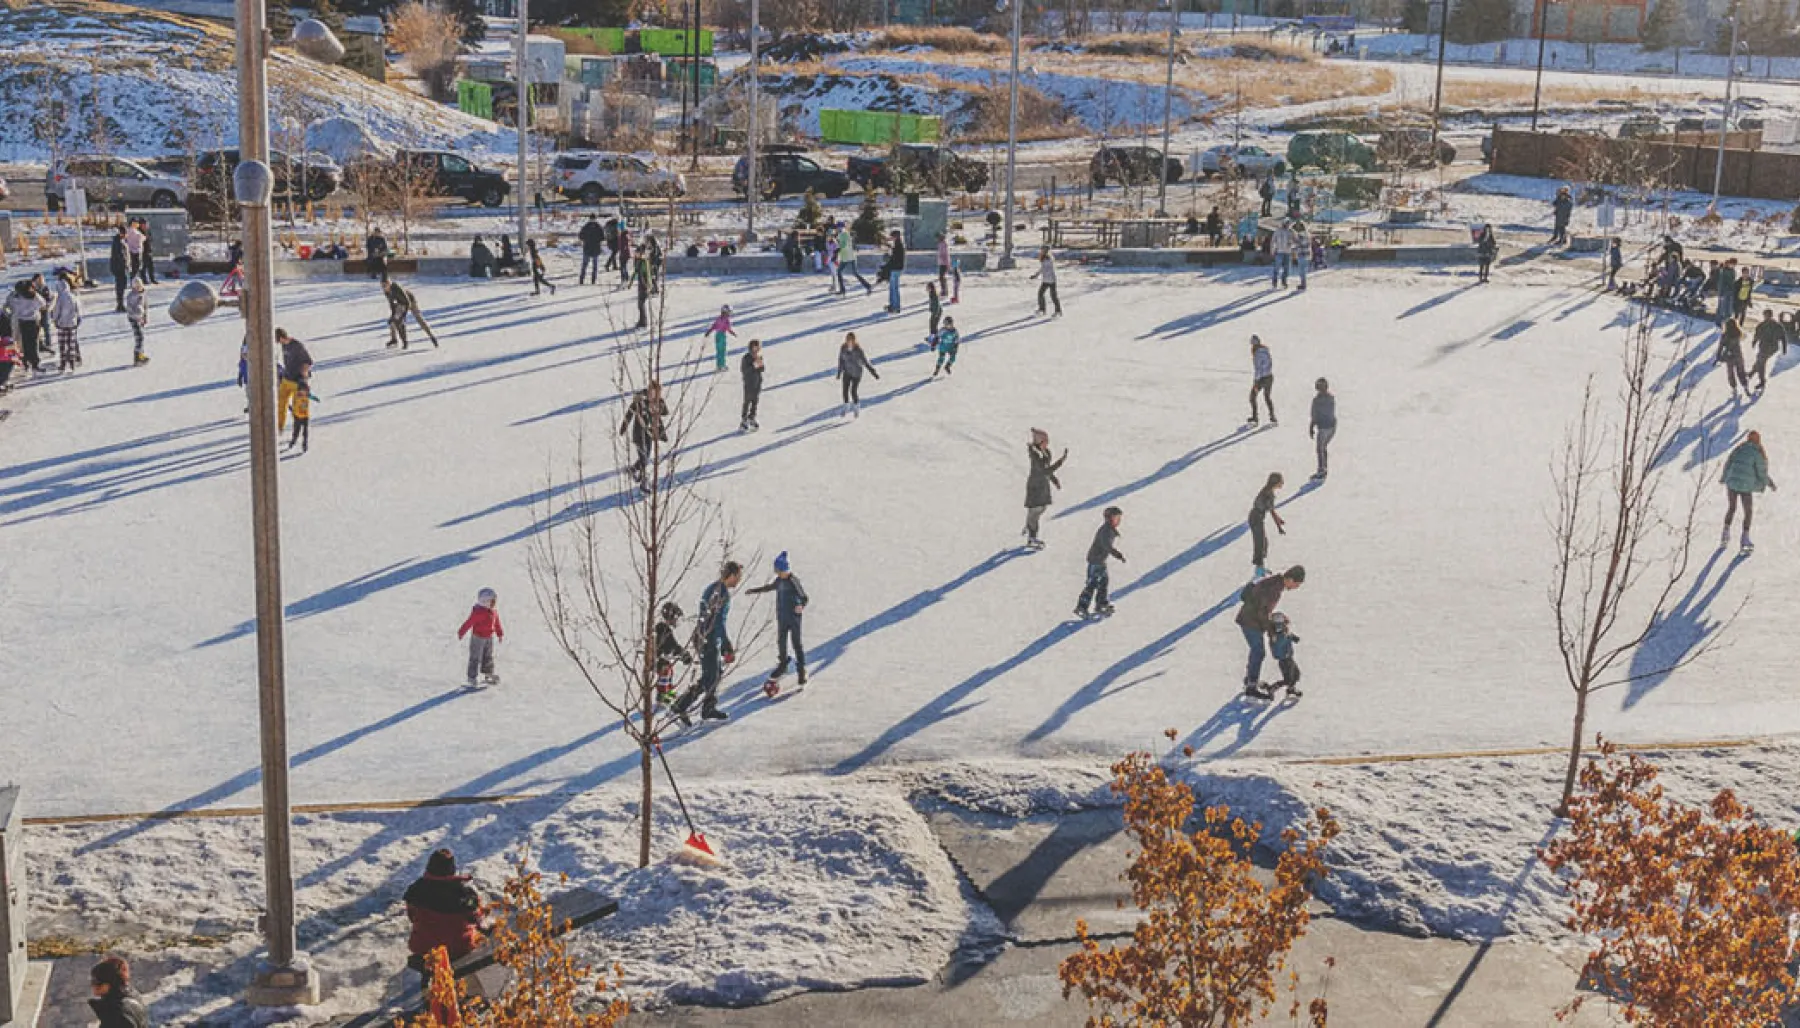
<point>649,779</point>
<point>1568,792</point>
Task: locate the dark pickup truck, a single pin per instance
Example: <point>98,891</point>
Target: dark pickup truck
<point>785,172</point>
<point>916,167</point>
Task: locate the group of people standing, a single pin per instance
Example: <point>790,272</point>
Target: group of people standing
<point>31,314</point>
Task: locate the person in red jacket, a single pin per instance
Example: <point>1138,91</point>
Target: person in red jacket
<point>484,631</point>
<point>445,910</point>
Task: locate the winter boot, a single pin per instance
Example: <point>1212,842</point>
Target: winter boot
<point>714,714</point>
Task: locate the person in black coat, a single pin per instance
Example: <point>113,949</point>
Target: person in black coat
<point>1103,546</point>
<point>891,271</point>
<point>114,1003</point>
<point>593,240</point>
<point>790,604</point>
<point>752,368</point>
<point>1038,483</point>
<point>644,424</point>
<point>118,262</point>
<point>375,251</point>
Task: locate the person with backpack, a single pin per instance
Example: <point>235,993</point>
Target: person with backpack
<point>790,605</point>
<point>1262,380</point>
<point>851,364</point>
<point>1255,618</point>
<point>1746,474</point>
<point>751,367</point>
<point>1105,545</point>
<point>593,239</point>
<point>713,638</point>
<point>1264,506</point>
<point>1323,424</point>
<point>1038,483</point>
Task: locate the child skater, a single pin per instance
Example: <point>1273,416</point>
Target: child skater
<point>1281,647</point>
<point>720,328</point>
<point>484,632</point>
<point>937,312</point>
<point>669,650</point>
<point>948,341</point>
<point>302,417</point>
<point>137,314</point>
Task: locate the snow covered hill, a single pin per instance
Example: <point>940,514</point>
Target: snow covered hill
<point>84,73</point>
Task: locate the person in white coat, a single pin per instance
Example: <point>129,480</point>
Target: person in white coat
<point>65,314</point>
<point>1046,276</point>
<point>1281,253</point>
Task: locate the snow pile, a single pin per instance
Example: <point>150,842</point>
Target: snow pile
<point>159,83</point>
<point>825,885</point>
<point>1099,102</point>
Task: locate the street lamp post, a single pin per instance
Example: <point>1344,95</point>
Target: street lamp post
<point>1731,57</point>
<point>522,117</point>
<point>755,128</point>
<point>1437,100</point>
<point>1162,179</point>
<point>1537,92</point>
<point>1006,262</point>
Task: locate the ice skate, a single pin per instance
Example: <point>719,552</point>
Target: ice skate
<point>490,679</point>
<point>1104,610</point>
<point>714,714</point>
<point>1745,548</point>
<point>1258,691</point>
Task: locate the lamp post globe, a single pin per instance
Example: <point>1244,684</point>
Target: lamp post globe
<point>193,302</point>
<point>316,42</point>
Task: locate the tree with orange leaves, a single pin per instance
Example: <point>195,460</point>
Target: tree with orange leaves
<point>1213,939</point>
<point>1693,906</point>
<point>547,987</point>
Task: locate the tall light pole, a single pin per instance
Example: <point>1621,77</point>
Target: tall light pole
<point>1437,100</point>
<point>283,977</point>
<point>522,118</point>
<point>1731,57</point>
<point>1006,262</point>
<point>1162,178</point>
<point>755,127</point>
<point>1537,92</point>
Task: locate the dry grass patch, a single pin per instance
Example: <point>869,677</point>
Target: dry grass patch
<point>950,39</point>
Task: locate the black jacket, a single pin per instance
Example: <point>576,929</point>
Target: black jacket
<point>593,237</point>
<point>118,262</point>
<point>1770,336</point>
<point>117,1010</point>
<point>668,645</point>
<point>896,259</point>
<point>1042,476</point>
<point>1260,598</point>
<point>753,373</point>
<point>790,596</point>
<point>295,361</point>
<point>644,419</point>
<point>1103,544</point>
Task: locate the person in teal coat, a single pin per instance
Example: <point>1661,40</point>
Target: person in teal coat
<point>1746,474</point>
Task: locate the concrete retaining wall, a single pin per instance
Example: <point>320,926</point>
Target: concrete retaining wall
<point>1180,258</point>
<point>917,262</point>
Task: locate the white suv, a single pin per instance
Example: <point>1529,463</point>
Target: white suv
<point>588,175</point>
<point>112,182</point>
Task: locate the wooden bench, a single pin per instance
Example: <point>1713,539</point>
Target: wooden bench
<point>395,266</point>
<point>569,911</point>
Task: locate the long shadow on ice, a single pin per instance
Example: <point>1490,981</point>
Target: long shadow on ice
<point>1170,468</point>
<point>828,652</point>
<point>1229,311</point>
<point>1682,634</point>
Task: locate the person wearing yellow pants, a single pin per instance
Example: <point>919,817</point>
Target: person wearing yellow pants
<point>296,368</point>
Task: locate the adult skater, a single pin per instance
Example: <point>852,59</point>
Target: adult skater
<point>296,371</point>
<point>65,314</point>
<point>1264,506</point>
<point>1560,210</point>
<point>443,910</point>
<point>1323,424</point>
<point>1771,339</point>
<point>1746,474</point>
<point>643,422</point>
<point>896,264</point>
<point>1731,354</point>
<point>611,229</point>
<point>949,341</point>
<point>1487,247</point>
<point>26,309</point>
<point>1725,280</point>
<point>1038,483</point>
<point>790,605</point>
<point>147,269</point>
<point>485,632</point>
<point>851,364</point>
<point>401,304</point>
<point>536,263</point>
<point>640,273</point>
<point>375,252</point>
<point>1615,263</point>
<point>625,255</point>
<point>134,248</point>
<point>943,262</point>
<point>137,315</point>
<point>1266,190</point>
<point>716,651</point>
<point>1255,619</point>
<point>1105,542</point>
<point>1262,371</point>
<point>846,261</point>
<point>1046,276</point>
<point>115,1004</point>
<point>720,328</point>
<point>1281,250</point>
<point>118,263</point>
<point>751,367</point>
<point>593,240</point>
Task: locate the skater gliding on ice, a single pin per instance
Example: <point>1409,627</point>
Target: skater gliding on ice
<point>296,371</point>
<point>790,604</point>
<point>1323,425</point>
<point>1264,506</point>
<point>719,329</point>
<point>669,650</point>
<point>1262,369</point>
<point>949,340</point>
<point>1771,339</point>
<point>852,362</point>
<point>1281,647</point>
<point>1731,354</point>
<point>401,305</point>
<point>1104,546</point>
<point>751,366</point>
<point>485,632</point>
<point>1046,276</point>
<point>137,314</point>
<point>1746,474</point>
<point>644,424</point>
<point>1255,618</point>
<point>1038,483</point>
<point>716,651</point>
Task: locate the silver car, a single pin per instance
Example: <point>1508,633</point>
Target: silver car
<point>1243,159</point>
<point>112,182</point>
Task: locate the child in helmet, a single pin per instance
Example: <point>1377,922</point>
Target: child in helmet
<point>484,631</point>
<point>1281,647</point>
<point>669,650</point>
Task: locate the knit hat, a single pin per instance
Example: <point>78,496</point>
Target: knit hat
<point>442,863</point>
<point>781,562</point>
<point>486,597</point>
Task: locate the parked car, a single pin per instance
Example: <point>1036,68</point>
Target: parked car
<point>1331,150</point>
<point>1411,147</point>
<point>1241,160</point>
<point>784,172</point>
<point>1698,125</point>
<point>1639,126</point>
<point>919,167</point>
<point>450,174</point>
<point>1131,166</point>
<point>588,175</point>
<point>112,181</point>
<point>312,176</point>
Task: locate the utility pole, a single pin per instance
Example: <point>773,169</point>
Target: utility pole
<point>755,127</point>
<point>1162,178</point>
<point>694,78</point>
<point>1537,93</point>
<point>1437,100</point>
<point>522,119</point>
<point>1725,116</point>
<point>1006,262</point>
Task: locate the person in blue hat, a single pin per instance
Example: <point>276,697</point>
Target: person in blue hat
<point>790,604</point>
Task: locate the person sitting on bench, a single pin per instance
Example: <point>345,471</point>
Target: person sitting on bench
<point>481,260</point>
<point>445,910</point>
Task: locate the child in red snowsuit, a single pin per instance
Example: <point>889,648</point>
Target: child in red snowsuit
<point>484,631</point>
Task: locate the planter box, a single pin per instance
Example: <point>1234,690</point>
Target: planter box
<point>1408,216</point>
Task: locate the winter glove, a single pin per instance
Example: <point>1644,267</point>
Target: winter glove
<point>730,656</point>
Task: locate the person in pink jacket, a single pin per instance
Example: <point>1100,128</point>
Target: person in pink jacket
<point>721,327</point>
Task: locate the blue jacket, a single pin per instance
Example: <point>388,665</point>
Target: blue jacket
<point>1281,645</point>
<point>715,609</point>
<point>790,597</point>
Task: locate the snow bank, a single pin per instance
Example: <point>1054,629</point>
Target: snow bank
<point>825,885</point>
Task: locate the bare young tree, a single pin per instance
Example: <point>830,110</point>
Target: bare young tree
<point>637,536</point>
<point>429,37</point>
<point>1623,530</point>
